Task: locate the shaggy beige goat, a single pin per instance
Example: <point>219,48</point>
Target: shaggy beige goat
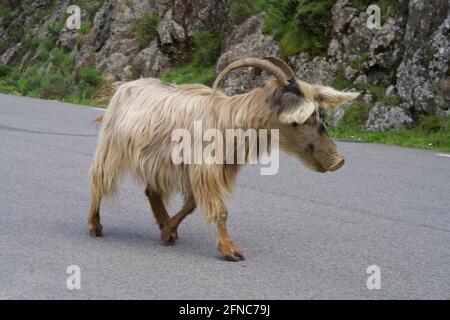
<point>136,137</point>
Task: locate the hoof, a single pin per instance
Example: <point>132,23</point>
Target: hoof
<point>96,231</point>
<point>168,236</point>
<point>234,257</point>
<point>230,252</point>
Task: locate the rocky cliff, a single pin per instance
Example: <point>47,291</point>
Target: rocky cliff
<point>402,68</point>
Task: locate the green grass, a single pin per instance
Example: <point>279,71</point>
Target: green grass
<point>430,132</point>
<point>190,73</point>
<point>358,62</point>
<point>51,76</point>
<point>201,68</point>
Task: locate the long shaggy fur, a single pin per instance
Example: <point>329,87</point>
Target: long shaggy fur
<point>136,136</point>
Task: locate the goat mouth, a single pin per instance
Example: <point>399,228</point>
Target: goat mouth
<point>337,165</point>
<point>320,168</point>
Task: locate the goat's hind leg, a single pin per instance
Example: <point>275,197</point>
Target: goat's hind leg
<point>103,180</point>
<point>95,227</point>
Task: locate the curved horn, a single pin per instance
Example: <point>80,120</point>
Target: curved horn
<point>282,65</point>
<point>266,65</point>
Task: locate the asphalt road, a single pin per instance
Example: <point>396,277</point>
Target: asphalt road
<point>305,235</point>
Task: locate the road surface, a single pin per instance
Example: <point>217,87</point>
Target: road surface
<point>305,235</point>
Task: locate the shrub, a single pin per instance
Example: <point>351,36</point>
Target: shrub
<point>3,46</point>
<point>6,16</point>
<point>55,27</point>
<point>358,62</point>
<point>340,82</point>
<point>145,28</point>
<point>207,48</point>
<point>299,25</point>
<point>56,86</point>
<point>4,70</point>
<point>355,115</point>
<point>240,10</point>
<point>392,100</point>
<point>91,76</point>
<point>30,84</point>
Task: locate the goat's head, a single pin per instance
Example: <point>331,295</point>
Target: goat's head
<point>298,110</point>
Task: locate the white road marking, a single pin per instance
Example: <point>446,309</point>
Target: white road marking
<point>443,155</point>
<point>99,109</point>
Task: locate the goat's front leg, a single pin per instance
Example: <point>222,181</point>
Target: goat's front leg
<point>225,245</point>
<point>169,232</point>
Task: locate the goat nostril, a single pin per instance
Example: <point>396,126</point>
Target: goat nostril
<point>338,165</point>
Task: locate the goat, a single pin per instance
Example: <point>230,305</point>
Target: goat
<point>136,136</point>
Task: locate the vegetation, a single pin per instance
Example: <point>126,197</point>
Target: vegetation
<point>5,16</point>
<point>299,25</point>
<point>206,48</point>
<point>430,133</point>
<point>201,68</point>
<point>189,74</point>
<point>240,10</point>
<point>51,77</point>
<point>146,27</point>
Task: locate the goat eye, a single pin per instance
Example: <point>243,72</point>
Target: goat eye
<point>294,124</point>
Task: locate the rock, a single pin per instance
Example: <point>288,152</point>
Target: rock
<point>342,15</point>
<point>385,45</point>
<point>150,61</point>
<point>129,47</point>
<point>113,67</point>
<point>350,73</point>
<point>362,78</point>
<point>121,20</point>
<point>335,116</point>
<point>169,31</point>
<point>314,70</point>
<point>390,91</point>
<point>367,97</point>
<point>384,117</point>
<point>426,58</point>
<point>67,40</point>
<point>86,58</point>
<point>246,40</point>
<point>335,50</point>
<point>197,15</point>
<point>11,54</point>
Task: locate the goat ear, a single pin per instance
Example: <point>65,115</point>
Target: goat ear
<point>294,108</point>
<point>330,97</point>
